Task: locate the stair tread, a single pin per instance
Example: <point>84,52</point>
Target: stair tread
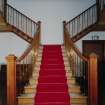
<point>28,95</point>
<point>75,95</point>
<point>52,88</point>
<point>52,97</point>
<point>31,86</point>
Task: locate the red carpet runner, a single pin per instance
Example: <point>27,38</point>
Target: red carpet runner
<point>52,86</point>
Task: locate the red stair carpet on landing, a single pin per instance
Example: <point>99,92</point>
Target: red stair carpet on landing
<point>52,86</point>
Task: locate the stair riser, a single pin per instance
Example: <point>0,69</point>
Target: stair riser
<point>30,90</point>
<point>71,90</point>
<point>78,101</point>
<point>79,104</point>
<point>63,54</point>
<point>35,75</point>
<point>67,69</point>
<point>41,48</point>
<point>74,90</point>
<point>65,63</point>
<point>40,52</point>
<point>69,81</point>
<point>26,101</point>
<point>33,82</point>
<point>39,58</point>
<point>37,68</point>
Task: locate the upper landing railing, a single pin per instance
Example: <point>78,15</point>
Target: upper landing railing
<point>86,19</point>
<point>82,21</point>
<point>18,21</point>
<point>21,21</point>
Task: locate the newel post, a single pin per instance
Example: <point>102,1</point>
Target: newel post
<point>64,24</point>
<point>39,23</point>
<point>93,79</point>
<point>11,80</point>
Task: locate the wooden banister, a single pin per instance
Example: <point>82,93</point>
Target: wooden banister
<point>85,21</point>
<point>20,24</point>
<point>93,79</point>
<point>23,66</point>
<point>89,67</point>
<point>11,80</point>
<point>71,44</point>
<point>34,44</point>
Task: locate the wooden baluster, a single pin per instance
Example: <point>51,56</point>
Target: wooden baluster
<point>5,9</point>
<point>8,14</point>
<point>64,36</point>
<point>13,15</point>
<point>31,29</point>
<point>74,27</point>
<point>98,9</point>
<point>88,17</point>
<point>82,21</point>
<point>69,28</point>
<point>18,21</point>
<point>92,15</point>
<point>39,36</point>
<point>93,80</point>
<point>79,24</point>
<point>11,80</point>
<point>21,22</point>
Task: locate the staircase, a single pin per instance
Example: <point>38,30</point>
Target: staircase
<point>57,69</point>
<point>48,83</point>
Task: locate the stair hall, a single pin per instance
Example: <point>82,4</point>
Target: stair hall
<point>63,61</point>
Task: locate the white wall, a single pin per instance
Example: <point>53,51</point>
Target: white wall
<point>11,44</point>
<point>51,13</point>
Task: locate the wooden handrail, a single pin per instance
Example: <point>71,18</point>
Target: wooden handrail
<point>31,46</point>
<point>81,14</point>
<point>82,21</point>
<point>77,50</point>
